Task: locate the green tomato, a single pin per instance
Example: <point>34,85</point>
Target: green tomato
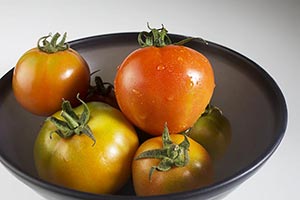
<point>213,131</point>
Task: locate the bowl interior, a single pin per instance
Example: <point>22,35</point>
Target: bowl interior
<point>247,95</point>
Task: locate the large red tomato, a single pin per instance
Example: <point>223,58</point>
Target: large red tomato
<point>44,75</point>
<point>170,83</point>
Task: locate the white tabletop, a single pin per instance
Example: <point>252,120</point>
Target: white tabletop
<point>266,31</point>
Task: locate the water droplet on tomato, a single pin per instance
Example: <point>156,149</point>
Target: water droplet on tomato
<point>180,58</point>
<point>160,67</point>
<point>195,78</point>
<point>170,98</point>
<point>191,84</point>
<point>137,92</point>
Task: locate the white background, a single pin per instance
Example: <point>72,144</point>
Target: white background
<point>268,32</point>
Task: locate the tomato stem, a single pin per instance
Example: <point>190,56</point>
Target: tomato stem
<point>171,154</point>
<point>101,88</point>
<point>211,109</point>
<point>53,46</point>
<point>159,38</point>
<point>72,123</point>
<point>156,37</point>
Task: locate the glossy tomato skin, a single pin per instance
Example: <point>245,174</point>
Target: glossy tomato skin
<point>172,84</point>
<point>41,80</point>
<point>213,131</point>
<point>197,173</point>
<point>75,163</point>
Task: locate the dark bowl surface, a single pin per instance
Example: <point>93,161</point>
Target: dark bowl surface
<point>247,95</point>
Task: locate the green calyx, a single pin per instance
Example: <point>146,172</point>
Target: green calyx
<point>171,154</point>
<point>53,45</point>
<point>156,37</point>
<point>72,123</point>
<point>159,38</point>
<point>100,87</point>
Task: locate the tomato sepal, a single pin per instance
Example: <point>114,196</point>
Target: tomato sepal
<point>160,38</point>
<point>52,46</point>
<point>171,154</point>
<point>103,92</point>
<point>73,123</point>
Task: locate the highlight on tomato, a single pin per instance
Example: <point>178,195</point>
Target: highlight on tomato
<point>89,148</point>
<point>170,163</point>
<point>163,82</point>
<point>46,74</point>
<point>213,131</point>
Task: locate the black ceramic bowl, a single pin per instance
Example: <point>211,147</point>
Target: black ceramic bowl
<point>248,96</point>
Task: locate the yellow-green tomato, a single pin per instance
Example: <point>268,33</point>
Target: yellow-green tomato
<point>213,131</point>
<point>100,165</point>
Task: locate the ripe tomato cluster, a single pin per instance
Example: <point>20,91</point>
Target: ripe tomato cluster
<point>162,89</point>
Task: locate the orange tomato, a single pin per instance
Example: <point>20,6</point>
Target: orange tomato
<point>198,172</point>
<point>42,79</point>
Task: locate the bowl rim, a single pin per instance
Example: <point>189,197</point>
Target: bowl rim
<point>219,185</point>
